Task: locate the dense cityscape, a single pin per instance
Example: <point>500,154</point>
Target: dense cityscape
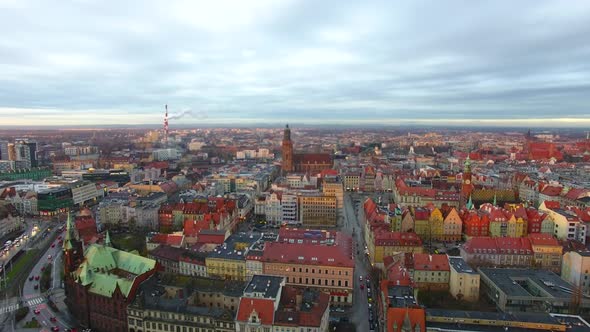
<point>295,166</point>
<point>295,229</point>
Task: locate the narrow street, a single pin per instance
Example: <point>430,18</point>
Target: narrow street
<point>359,315</point>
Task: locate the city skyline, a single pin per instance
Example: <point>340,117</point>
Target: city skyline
<point>377,63</point>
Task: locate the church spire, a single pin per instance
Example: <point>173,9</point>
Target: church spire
<point>107,240</point>
<point>469,204</point>
<point>69,237</point>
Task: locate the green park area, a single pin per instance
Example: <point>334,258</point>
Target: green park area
<point>130,242</point>
<point>45,282</point>
<point>16,268</point>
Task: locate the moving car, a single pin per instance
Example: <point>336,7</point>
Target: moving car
<point>53,319</point>
<point>31,278</point>
<point>362,287</point>
<point>36,277</point>
<point>53,245</point>
<point>55,328</point>
<point>36,286</point>
<point>37,311</point>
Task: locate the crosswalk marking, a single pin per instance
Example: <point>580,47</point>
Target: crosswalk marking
<point>9,308</point>
<point>36,301</point>
<point>15,306</point>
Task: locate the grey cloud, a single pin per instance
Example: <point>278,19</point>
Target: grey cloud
<point>300,59</point>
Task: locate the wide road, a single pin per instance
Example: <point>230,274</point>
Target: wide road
<point>33,298</point>
<point>359,315</point>
<point>25,239</point>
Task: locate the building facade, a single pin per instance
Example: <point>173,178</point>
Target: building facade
<point>464,281</point>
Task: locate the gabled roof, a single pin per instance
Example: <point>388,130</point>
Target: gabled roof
<point>174,240</point>
<point>310,254</point>
<point>427,262</point>
<point>264,309</point>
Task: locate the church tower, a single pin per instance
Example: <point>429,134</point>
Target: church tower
<point>287,151</point>
<point>466,185</point>
<point>72,248</point>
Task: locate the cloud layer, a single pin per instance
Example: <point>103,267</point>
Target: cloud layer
<point>113,62</point>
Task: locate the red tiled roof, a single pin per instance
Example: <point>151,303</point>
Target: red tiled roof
<point>205,237</point>
<point>328,172</point>
<point>397,239</point>
<point>264,309</point>
<point>429,262</point>
<point>167,239</point>
<point>495,245</point>
<point>399,274</point>
<point>540,239</point>
<point>552,204</point>
<point>575,193</point>
<point>335,255</point>
<point>397,316</point>
<point>167,252</point>
<point>311,158</point>
<point>158,165</point>
<point>552,190</point>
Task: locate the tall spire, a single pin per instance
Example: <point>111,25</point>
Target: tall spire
<point>467,168</point>
<point>469,204</point>
<point>68,239</point>
<point>107,240</point>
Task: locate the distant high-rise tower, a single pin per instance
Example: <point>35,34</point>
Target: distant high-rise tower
<point>26,151</point>
<point>4,150</point>
<point>287,151</point>
<point>166,125</point>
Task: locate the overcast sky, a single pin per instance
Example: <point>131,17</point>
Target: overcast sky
<point>237,62</point>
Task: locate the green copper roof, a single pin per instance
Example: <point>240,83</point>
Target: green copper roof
<point>104,268</point>
<point>495,200</point>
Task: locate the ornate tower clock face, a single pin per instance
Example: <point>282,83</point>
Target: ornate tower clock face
<point>467,182</point>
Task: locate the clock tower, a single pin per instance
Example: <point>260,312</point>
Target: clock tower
<point>466,185</point>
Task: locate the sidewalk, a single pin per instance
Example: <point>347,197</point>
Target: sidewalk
<point>58,296</point>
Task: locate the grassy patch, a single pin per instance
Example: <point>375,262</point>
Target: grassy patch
<point>21,263</point>
<point>45,282</point>
<point>21,313</point>
<point>130,242</point>
<point>32,324</point>
<point>444,300</point>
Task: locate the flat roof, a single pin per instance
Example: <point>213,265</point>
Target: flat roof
<point>266,286</point>
<point>514,282</point>
<point>543,318</point>
<point>401,296</point>
<point>459,264</point>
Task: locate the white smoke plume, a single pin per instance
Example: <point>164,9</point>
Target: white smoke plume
<point>188,112</point>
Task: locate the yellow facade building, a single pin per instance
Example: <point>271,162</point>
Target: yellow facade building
<point>464,281</point>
